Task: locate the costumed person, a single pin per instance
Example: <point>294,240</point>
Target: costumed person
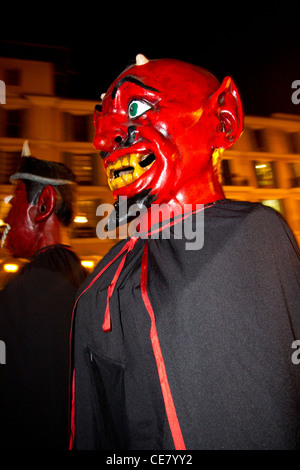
<point>36,308</point>
<point>180,348</point>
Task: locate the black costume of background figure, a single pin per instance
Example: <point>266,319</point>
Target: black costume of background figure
<point>35,319</point>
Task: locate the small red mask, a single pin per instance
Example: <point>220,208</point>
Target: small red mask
<point>160,127</point>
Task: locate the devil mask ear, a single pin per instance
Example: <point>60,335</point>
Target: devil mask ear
<point>46,204</point>
<point>226,106</point>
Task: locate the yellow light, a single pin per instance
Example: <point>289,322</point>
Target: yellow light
<point>260,166</point>
<point>2,223</point>
<point>11,268</point>
<point>80,219</point>
<point>87,264</point>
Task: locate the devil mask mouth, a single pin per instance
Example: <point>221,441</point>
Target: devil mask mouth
<point>128,169</point>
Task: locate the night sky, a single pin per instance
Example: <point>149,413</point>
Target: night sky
<point>258,46</point>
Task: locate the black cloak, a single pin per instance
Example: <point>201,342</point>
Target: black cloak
<point>35,320</point>
<point>199,354</point>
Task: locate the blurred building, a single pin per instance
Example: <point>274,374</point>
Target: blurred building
<point>264,165</point>
<point>57,129</point>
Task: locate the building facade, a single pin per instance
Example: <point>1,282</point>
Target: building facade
<point>264,165</point>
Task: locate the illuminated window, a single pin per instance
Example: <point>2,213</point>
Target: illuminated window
<point>88,264</point>
<point>85,220</point>
<point>275,204</point>
<point>295,180</point>
<point>10,267</point>
<point>265,174</point>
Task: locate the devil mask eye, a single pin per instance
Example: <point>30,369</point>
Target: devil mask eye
<point>137,107</point>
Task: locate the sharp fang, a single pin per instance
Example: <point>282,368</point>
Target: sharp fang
<point>5,233</point>
<point>7,199</point>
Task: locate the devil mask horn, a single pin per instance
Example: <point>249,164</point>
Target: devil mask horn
<point>25,149</point>
<point>141,59</point>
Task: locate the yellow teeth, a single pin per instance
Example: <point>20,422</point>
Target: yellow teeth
<point>126,170</point>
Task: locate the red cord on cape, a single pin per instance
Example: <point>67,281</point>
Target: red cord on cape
<point>162,373</point>
<point>167,395</point>
<point>106,324</point>
<point>127,248</point>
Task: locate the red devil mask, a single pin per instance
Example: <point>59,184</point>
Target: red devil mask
<point>162,128</point>
<point>31,223</point>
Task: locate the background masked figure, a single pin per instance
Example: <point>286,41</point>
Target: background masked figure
<point>36,308</point>
<point>175,347</point>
